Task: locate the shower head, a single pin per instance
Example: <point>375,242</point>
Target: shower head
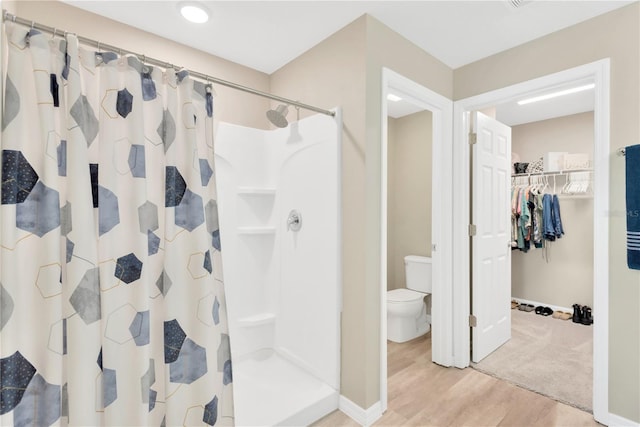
<point>279,116</point>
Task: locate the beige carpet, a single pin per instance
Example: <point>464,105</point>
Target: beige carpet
<point>550,356</point>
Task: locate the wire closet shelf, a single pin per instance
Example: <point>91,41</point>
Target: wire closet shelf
<point>575,182</point>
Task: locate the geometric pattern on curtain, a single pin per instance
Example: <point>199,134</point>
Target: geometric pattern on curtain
<point>111,292</point>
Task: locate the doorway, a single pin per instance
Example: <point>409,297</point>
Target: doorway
<point>543,349</point>
<point>598,73</point>
<point>441,110</point>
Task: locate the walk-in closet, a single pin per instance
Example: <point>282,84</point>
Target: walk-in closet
<point>551,345</point>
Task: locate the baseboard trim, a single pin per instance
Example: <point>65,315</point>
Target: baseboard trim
<point>364,417</point>
<point>537,303</point>
<point>618,421</point>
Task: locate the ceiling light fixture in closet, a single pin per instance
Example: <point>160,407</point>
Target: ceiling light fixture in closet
<point>193,12</point>
<point>556,94</point>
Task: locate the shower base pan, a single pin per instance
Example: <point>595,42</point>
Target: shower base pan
<point>269,390</point>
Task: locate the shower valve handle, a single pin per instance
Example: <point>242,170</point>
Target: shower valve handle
<point>294,221</point>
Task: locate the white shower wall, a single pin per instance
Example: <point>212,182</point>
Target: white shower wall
<point>282,287</point>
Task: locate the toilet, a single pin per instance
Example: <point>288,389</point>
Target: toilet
<point>406,310</point>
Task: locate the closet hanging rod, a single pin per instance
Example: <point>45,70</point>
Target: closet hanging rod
<point>6,16</point>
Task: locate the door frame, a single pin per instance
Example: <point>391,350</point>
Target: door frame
<point>442,227</point>
<point>599,73</point>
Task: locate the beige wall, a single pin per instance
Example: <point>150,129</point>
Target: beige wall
<point>615,35</point>
<point>567,278</point>
<point>409,192</point>
<point>346,70</point>
<point>230,105</point>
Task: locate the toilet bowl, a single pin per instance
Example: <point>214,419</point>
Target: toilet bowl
<point>406,310</point>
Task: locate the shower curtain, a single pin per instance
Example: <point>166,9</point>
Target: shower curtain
<point>112,300</point>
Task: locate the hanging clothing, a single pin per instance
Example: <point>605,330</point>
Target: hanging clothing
<point>535,218</point>
<point>548,228</point>
<point>515,191</point>
<point>551,220</point>
<point>557,220</point>
<point>538,238</point>
<point>113,307</point>
<point>525,219</point>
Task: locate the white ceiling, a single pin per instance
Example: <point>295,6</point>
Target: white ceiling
<point>265,35</point>
<point>512,114</point>
<point>401,107</point>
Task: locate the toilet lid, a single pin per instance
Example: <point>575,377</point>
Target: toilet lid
<point>403,295</point>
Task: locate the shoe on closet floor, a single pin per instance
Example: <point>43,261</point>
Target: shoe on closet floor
<point>577,313</point>
<point>586,316</point>
<point>562,315</point>
<point>514,304</point>
<point>546,311</point>
<point>539,309</point>
<point>529,308</point>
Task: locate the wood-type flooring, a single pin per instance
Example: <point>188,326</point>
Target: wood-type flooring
<point>422,393</point>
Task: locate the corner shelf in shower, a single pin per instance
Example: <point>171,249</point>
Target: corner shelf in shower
<point>262,230</point>
<point>256,191</point>
<point>257,319</point>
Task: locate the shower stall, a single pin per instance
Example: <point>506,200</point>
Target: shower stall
<point>278,197</point>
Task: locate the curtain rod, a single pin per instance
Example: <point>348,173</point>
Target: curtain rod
<point>6,16</point>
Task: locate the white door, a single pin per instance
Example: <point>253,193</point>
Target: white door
<point>491,250</point>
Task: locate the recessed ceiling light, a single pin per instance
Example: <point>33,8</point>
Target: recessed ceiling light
<point>393,98</point>
<point>194,12</point>
<point>556,94</point>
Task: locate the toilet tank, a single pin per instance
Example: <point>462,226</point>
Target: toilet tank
<point>418,273</point>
